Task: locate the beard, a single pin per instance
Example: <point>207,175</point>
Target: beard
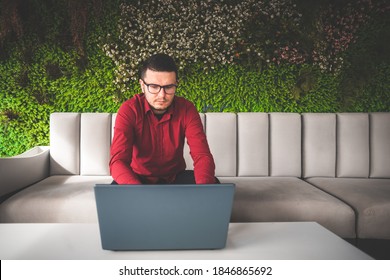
<point>160,107</point>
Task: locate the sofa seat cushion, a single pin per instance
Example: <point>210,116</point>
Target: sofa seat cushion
<point>370,198</point>
<point>56,199</point>
<point>282,199</point>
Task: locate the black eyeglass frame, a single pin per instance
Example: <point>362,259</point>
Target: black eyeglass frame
<point>160,87</point>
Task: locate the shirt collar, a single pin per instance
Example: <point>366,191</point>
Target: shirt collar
<point>149,109</point>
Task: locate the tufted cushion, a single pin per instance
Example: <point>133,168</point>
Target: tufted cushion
<point>353,159</point>
<point>380,145</point>
<point>285,144</point>
<point>95,140</point>
<point>253,144</point>
<point>65,143</point>
<point>319,145</point>
<point>221,132</point>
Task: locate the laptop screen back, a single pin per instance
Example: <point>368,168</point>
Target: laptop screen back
<point>164,217</point>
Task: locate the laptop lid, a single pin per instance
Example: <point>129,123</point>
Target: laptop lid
<point>164,217</point>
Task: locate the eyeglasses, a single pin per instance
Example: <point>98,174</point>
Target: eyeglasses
<point>155,89</point>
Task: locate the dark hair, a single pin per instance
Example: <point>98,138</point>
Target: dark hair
<point>158,62</point>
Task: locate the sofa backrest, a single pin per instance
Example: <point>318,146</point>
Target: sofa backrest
<point>245,144</point>
<point>346,145</point>
<point>80,143</point>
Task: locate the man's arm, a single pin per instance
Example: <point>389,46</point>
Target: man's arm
<point>122,149</point>
<point>204,166</point>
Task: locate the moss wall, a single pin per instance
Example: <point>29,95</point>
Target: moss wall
<point>284,56</point>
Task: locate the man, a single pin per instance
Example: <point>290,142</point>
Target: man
<point>150,129</point>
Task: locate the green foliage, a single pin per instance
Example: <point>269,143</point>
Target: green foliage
<point>373,96</point>
<point>53,81</point>
<point>236,89</point>
<point>42,72</point>
<point>365,77</point>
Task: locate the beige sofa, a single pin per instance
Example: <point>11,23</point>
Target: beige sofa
<point>330,168</point>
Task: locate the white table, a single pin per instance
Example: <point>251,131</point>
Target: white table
<point>246,241</point>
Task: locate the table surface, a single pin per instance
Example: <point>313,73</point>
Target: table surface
<point>246,241</point>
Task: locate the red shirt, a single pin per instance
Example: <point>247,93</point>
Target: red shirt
<point>151,148</point>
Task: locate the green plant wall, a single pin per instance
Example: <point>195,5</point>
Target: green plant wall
<point>55,65</point>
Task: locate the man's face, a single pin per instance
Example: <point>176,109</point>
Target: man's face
<point>159,102</point>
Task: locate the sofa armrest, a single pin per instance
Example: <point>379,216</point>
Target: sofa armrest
<point>23,170</point>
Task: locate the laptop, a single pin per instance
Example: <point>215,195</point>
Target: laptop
<point>164,217</point>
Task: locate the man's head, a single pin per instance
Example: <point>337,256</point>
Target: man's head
<point>158,80</point>
<point>159,63</point>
